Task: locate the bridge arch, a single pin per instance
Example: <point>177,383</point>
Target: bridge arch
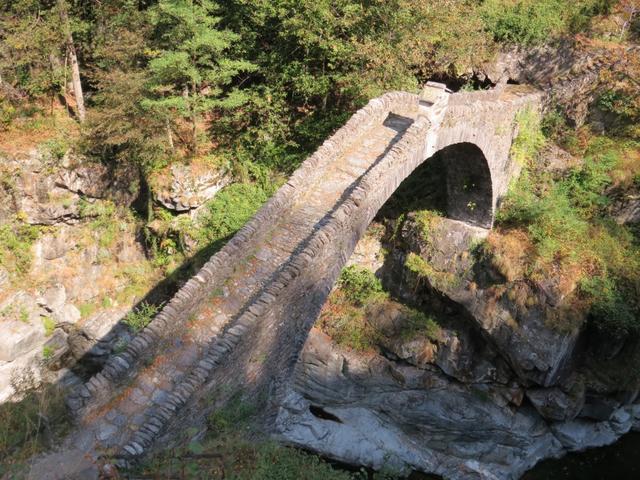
<point>259,295</point>
<point>469,187</point>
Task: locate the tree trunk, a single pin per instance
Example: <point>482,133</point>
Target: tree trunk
<point>167,126</point>
<point>194,121</point>
<point>75,69</point>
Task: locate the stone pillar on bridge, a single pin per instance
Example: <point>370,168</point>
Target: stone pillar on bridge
<point>432,105</point>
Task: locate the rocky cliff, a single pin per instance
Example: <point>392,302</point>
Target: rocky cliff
<point>495,390</point>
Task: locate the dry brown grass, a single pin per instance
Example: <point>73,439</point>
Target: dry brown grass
<point>511,253</point>
<point>25,134</point>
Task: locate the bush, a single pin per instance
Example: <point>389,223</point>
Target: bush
<point>523,21</point>
<point>139,318</point>
<point>229,211</point>
<point>15,247</point>
<point>528,22</point>
<point>418,323</point>
<point>360,285</point>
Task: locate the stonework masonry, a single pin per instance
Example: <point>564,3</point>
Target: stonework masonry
<point>259,296</point>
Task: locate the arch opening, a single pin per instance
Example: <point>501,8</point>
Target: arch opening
<point>469,191</point>
<point>456,181</point>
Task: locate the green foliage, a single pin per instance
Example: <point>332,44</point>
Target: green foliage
<point>427,220</point>
<point>190,70</point>
<point>104,223</point>
<point>418,323</point>
<point>49,325</point>
<point>423,270</point>
<point>48,352</point>
<point>530,138</point>
<point>56,147</point>
<point>274,462</point>
<point>30,38</point>
<point>236,414</point>
<point>567,221</point>
<point>16,240</point>
<point>529,22</point>
<point>87,309</point>
<point>139,318</point>
<point>360,285</point>
<point>220,219</point>
<point>622,103</point>
<point>345,316</point>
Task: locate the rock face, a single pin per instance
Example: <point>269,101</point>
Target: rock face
<point>568,71</point>
<point>494,391</point>
<point>70,266</point>
<point>190,186</point>
<point>49,192</point>
<point>368,410</point>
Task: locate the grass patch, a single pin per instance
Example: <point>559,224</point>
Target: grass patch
<point>49,325</point>
<point>30,426</point>
<point>529,139</point>
<point>424,271</point>
<point>87,309</point>
<point>232,449</point>
<point>239,458</point>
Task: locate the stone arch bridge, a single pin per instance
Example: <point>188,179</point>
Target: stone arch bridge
<point>241,322</point>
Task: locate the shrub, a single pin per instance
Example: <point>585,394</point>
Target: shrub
<point>15,247</point>
<point>360,285</point>
<point>522,21</point>
<point>528,22</point>
<point>566,219</point>
<point>139,318</point>
<point>419,323</point>
<point>230,209</point>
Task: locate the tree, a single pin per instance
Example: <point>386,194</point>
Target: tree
<point>190,72</point>
<point>73,57</point>
<point>118,128</point>
<point>30,49</point>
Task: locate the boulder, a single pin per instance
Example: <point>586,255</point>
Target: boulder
<point>53,298</point>
<point>554,404</point>
<point>190,186</point>
<point>57,244</point>
<point>68,313</point>
<point>19,338</point>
